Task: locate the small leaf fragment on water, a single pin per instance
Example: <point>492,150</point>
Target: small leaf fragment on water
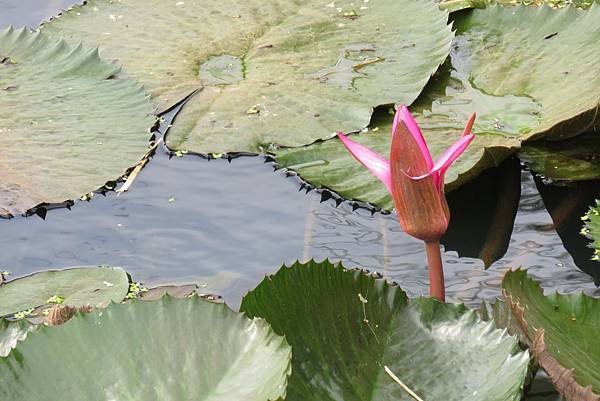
<point>253,110</point>
<point>23,314</point>
<point>135,289</point>
<point>86,197</point>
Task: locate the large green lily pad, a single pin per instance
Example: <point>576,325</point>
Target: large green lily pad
<point>524,70</point>
<point>346,326</point>
<point>563,330</point>
<point>575,159</point>
<point>94,286</point>
<point>592,228</point>
<point>165,350</point>
<point>284,72</point>
<point>67,126</point>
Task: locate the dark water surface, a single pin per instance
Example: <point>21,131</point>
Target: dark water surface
<point>225,225</point>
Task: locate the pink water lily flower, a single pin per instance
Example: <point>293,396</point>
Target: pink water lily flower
<point>414,180</point>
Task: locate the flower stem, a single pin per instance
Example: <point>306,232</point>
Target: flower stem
<point>436,271</point>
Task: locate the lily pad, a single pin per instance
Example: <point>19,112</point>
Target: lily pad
<point>284,72</point>
<point>524,70</point>
<point>575,159</point>
<point>94,286</point>
<point>592,228</point>
<point>346,326</point>
<point>562,329</point>
<point>67,125</point>
<point>167,350</point>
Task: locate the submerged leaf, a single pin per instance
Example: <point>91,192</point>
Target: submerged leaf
<point>165,350</point>
<point>506,65</point>
<point>575,159</point>
<point>457,5</point>
<point>345,327</point>
<point>283,72</point>
<point>563,330</point>
<point>94,286</point>
<point>67,125</point>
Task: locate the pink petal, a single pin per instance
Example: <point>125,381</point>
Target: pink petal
<point>415,131</point>
<point>376,164</point>
<point>469,125</point>
<point>444,162</point>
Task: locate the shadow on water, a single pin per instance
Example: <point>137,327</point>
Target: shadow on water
<point>483,213</point>
<point>567,203</point>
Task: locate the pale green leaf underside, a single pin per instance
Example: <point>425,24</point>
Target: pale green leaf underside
<point>66,127</point>
<point>575,159</point>
<point>520,84</point>
<point>94,286</point>
<point>13,332</point>
<point>570,324</point>
<point>165,350</point>
<point>345,326</point>
<point>285,72</point>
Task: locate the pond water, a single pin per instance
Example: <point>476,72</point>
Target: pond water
<point>226,224</point>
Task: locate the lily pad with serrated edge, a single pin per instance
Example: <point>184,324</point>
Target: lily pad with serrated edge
<point>592,228</point>
<point>563,330</point>
<point>285,72</point>
<point>67,125</point>
<point>93,286</point>
<point>345,326</point>
<point>509,66</point>
<point>164,350</point>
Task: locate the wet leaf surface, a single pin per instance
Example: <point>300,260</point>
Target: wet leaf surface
<point>509,67</point>
<point>283,72</point>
